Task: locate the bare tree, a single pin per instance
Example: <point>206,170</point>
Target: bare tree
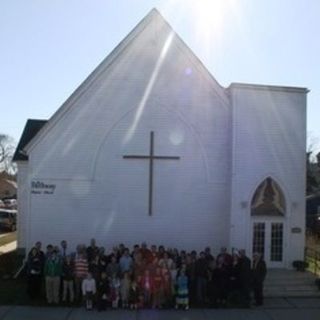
<point>312,146</point>
<point>7,147</point>
<point>313,164</point>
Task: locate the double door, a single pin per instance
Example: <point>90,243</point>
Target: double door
<point>268,240</point>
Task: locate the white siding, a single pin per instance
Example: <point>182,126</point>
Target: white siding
<point>100,194</point>
<point>268,140</point>
<point>226,149</point>
<point>23,207</point>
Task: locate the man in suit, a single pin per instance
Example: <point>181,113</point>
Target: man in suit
<point>259,272</point>
<point>245,277</point>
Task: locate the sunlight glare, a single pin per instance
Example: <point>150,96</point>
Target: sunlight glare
<point>148,88</point>
<point>209,17</point>
<point>208,20</point>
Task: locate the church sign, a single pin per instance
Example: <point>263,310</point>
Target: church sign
<point>39,187</point>
<point>296,230</point>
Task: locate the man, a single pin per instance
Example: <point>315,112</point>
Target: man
<point>92,250</point>
<point>125,262</point>
<point>224,258</point>
<point>221,276</point>
<point>41,254</point>
<point>53,272</point>
<point>64,250</point>
<point>207,252</point>
<point>245,277</point>
<point>146,253</point>
<point>154,252</point>
<point>49,251</point>
<point>201,273</point>
<point>259,272</point>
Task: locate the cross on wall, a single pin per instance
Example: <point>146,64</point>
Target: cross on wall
<point>151,157</point>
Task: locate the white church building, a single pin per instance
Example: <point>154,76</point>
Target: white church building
<point>151,148</point>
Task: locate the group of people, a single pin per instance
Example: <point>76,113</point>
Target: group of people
<point>144,277</point>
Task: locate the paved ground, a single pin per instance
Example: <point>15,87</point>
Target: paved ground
<point>274,309</point>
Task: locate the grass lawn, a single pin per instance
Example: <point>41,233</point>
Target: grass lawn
<point>12,291</point>
<point>10,263</point>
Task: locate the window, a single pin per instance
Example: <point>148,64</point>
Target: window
<point>268,200</point>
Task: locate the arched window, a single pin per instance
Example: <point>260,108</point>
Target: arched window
<point>268,199</point>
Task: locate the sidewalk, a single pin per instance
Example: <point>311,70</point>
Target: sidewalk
<point>274,309</point>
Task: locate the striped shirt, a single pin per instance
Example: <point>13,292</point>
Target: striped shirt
<point>80,267</point>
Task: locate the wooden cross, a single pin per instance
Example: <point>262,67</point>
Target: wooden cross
<point>151,157</point>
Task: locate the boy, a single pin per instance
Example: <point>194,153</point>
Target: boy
<point>89,290</point>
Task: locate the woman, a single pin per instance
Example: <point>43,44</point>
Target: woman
<point>34,273</point>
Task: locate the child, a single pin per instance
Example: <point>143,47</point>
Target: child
<point>173,277</point>
<point>124,289</point>
<point>103,292</point>
<point>182,298</point>
<point>114,290</point>
<point>89,290</point>
<point>147,287</point>
<point>167,290</point>
<point>140,291</point>
<point>133,295</point>
<point>157,289</point>
<point>68,279</point>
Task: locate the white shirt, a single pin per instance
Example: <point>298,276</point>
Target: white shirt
<point>88,285</point>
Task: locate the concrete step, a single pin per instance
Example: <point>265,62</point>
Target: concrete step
<point>294,294</point>
<point>290,283</point>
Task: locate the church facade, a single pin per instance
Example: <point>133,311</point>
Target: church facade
<point>151,148</point>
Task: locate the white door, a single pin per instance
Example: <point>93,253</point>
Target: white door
<point>268,239</point>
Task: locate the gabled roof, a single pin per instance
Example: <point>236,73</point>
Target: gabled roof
<point>31,128</point>
<point>104,66</point>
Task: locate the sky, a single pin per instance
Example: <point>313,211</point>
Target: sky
<point>48,48</point>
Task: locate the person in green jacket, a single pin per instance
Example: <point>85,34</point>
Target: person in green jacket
<point>52,273</point>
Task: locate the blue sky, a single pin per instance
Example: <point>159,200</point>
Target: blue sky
<point>49,47</point>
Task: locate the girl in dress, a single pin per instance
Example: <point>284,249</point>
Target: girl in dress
<point>157,289</point>
<point>124,289</point>
<point>114,290</point>
<point>134,295</point>
<point>182,298</point>
<point>103,292</point>
<point>147,287</point>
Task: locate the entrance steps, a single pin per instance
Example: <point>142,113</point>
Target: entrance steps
<point>290,283</point>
